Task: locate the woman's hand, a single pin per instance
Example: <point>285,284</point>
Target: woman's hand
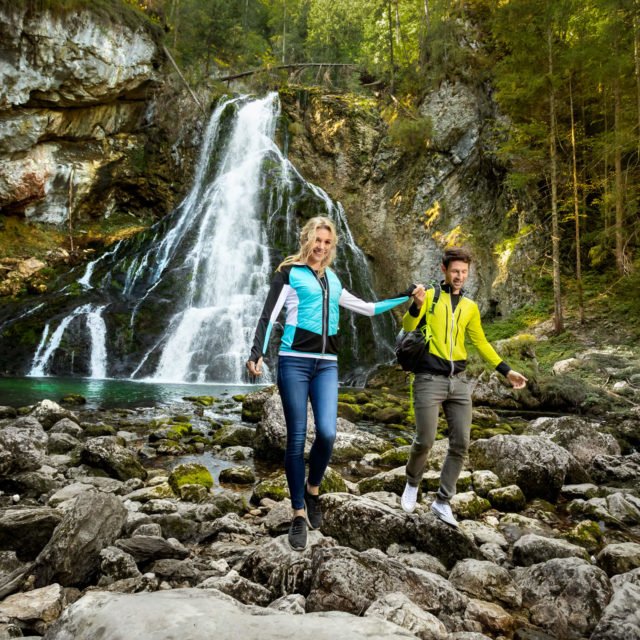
<point>255,368</point>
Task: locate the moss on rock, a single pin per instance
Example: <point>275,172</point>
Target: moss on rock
<point>274,488</point>
<point>190,473</point>
<point>332,482</point>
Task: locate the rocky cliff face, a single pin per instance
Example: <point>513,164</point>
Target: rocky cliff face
<point>404,207</point>
<point>81,131</point>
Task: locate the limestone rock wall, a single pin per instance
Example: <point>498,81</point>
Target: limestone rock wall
<point>403,206</point>
<point>78,114</point>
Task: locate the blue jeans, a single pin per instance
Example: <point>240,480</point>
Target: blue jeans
<point>300,379</point>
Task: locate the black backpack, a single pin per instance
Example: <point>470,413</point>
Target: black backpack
<point>412,346</point>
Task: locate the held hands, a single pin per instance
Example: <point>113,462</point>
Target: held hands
<point>517,380</point>
<point>418,295</point>
<point>255,368</point>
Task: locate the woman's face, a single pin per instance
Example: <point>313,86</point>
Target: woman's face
<point>321,247</point>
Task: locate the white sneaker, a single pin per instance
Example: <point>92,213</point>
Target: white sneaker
<point>443,511</point>
<point>409,498</point>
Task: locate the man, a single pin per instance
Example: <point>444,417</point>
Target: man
<point>438,381</point>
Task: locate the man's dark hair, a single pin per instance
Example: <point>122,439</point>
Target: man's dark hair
<point>455,253</point>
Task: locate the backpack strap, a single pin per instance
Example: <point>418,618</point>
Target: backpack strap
<point>436,297</point>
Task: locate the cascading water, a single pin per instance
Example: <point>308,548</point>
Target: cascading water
<point>180,302</point>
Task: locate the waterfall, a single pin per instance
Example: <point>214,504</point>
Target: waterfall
<point>180,301</point>
<point>97,333</point>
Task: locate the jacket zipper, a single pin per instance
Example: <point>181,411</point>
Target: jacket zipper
<point>451,347</point>
<point>325,308</point>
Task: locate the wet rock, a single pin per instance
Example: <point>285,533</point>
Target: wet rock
<point>253,404</point>
<point>22,446</point>
<point>537,465</point>
<point>236,453</point>
<point>238,475</point>
<point>565,596</point>
<point>35,610</point>
<point>188,613</point>
<point>7,412</point>
<point>47,413</point>
<point>486,581</point>
<point>346,580</point>
<point>61,443</point>
<point>26,530</point>
<point>533,549</point>
<point>399,609</point>
<point>621,618</point>
<point>234,436</point>
<point>72,555</point>
<point>118,461</point>
<point>619,558</point>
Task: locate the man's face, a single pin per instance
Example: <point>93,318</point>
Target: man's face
<point>456,274</point>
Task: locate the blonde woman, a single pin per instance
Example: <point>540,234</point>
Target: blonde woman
<point>311,294</point>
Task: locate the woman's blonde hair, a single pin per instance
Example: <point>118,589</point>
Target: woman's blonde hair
<point>307,243</point>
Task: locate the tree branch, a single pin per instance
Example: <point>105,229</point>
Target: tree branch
<point>299,65</point>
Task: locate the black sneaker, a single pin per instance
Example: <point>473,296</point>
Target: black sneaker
<point>314,513</point>
<point>298,533</point>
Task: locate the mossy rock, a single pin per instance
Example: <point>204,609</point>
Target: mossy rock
<point>332,482</point>
<point>479,432</point>
<point>169,448</point>
<point>389,415</point>
<point>97,430</point>
<point>74,399</point>
<point>203,401</point>
<point>181,419</point>
<point>238,475</point>
<point>274,488</point>
<point>469,505</point>
<point>253,404</point>
<point>193,493</point>
<point>392,481</point>
<point>350,412</point>
<point>395,457</point>
<point>586,534</point>
<point>348,398</point>
<point>239,397</point>
<point>190,473</point>
<point>509,498</point>
<point>234,436</point>
<point>369,410</point>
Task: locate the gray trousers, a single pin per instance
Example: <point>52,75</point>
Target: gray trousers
<point>454,394</point>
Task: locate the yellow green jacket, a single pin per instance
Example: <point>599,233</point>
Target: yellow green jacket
<point>447,353</point>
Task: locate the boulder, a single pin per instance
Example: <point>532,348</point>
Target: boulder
<point>537,465</point>
<point>347,580</point>
<point>116,564</point>
<point>490,616</point>
<point>195,614</point>
<point>533,549</point>
<point>35,610</point>
<point>621,618</point>
<point>565,596</point>
<point>240,588</point>
<point>510,498</point>
<point>147,548</point>
<point>619,557</point>
<point>399,609</point>
<point>118,461</point>
<point>26,530</point>
<point>486,581</point>
<point>190,473</point>
<point>48,412</point>
<point>72,555</point>
<point>23,446</point>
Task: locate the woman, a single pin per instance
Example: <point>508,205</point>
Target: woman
<point>307,360</point>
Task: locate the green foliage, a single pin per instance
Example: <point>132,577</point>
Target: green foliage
<point>411,134</point>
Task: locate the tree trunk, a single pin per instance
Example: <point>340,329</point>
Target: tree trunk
<point>555,229</point>
<point>636,59</point>
<point>284,31</point>
<point>606,209</point>
<point>391,61</point>
<point>576,207</point>
<point>617,163</point>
